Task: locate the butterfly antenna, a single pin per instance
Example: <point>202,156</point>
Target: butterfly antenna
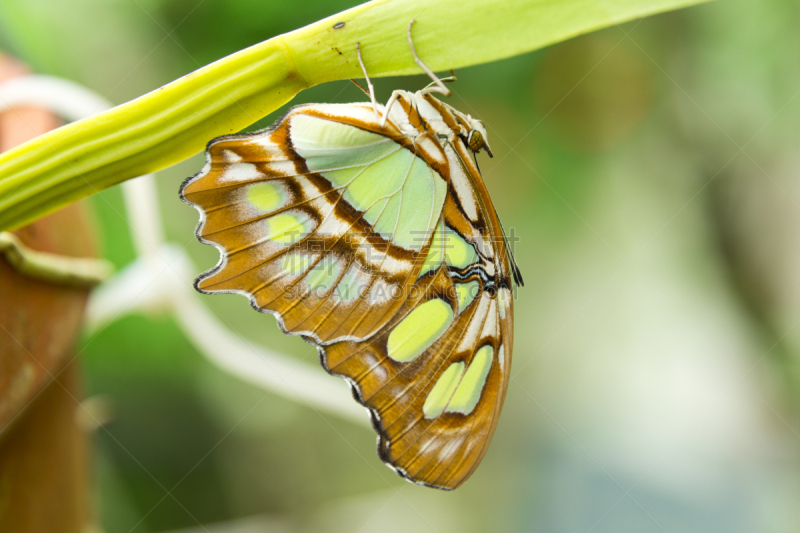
<point>369,84</point>
<point>515,272</point>
<point>439,85</point>
<point>363,90</point>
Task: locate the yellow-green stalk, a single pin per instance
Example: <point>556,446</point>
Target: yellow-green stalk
<point>176,121</point>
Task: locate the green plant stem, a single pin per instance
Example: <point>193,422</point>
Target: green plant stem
<point>176,121</point>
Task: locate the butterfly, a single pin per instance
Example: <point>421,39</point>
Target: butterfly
<point>368,231</point>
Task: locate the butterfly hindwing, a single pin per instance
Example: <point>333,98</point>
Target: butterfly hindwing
<point>433,378</point>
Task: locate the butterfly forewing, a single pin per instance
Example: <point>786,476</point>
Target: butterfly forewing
<point>318,221</point>
<point>378,244</point>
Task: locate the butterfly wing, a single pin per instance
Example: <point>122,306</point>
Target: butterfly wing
<point>319,221</point>
<point>387,255</point>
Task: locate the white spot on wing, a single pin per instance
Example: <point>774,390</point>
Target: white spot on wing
<point>381,292</point>
<point>461,184</point>
<point>490,326</point>
<point>282,168</point>
<point>503,298</point>
<point>475,324</point>
<point>231,156</point>
<point>240,173</point>
<point>447,450</point>
<point>332,226</point>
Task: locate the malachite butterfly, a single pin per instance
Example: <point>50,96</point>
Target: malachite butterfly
<point>368,231</point>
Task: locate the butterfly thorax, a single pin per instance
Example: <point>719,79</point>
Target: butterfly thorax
<point>420,114</point>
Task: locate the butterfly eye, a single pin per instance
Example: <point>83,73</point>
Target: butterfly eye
<point>475,141</point>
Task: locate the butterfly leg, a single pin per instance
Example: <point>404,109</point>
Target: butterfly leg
<point>369,83</point>
<point>395,95</point>
<point>449,79</point>
<point>438,86</point>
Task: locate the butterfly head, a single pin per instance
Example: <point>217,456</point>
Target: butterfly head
<point>476,138</point>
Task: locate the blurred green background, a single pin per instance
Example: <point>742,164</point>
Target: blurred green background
<point>650,171</point>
